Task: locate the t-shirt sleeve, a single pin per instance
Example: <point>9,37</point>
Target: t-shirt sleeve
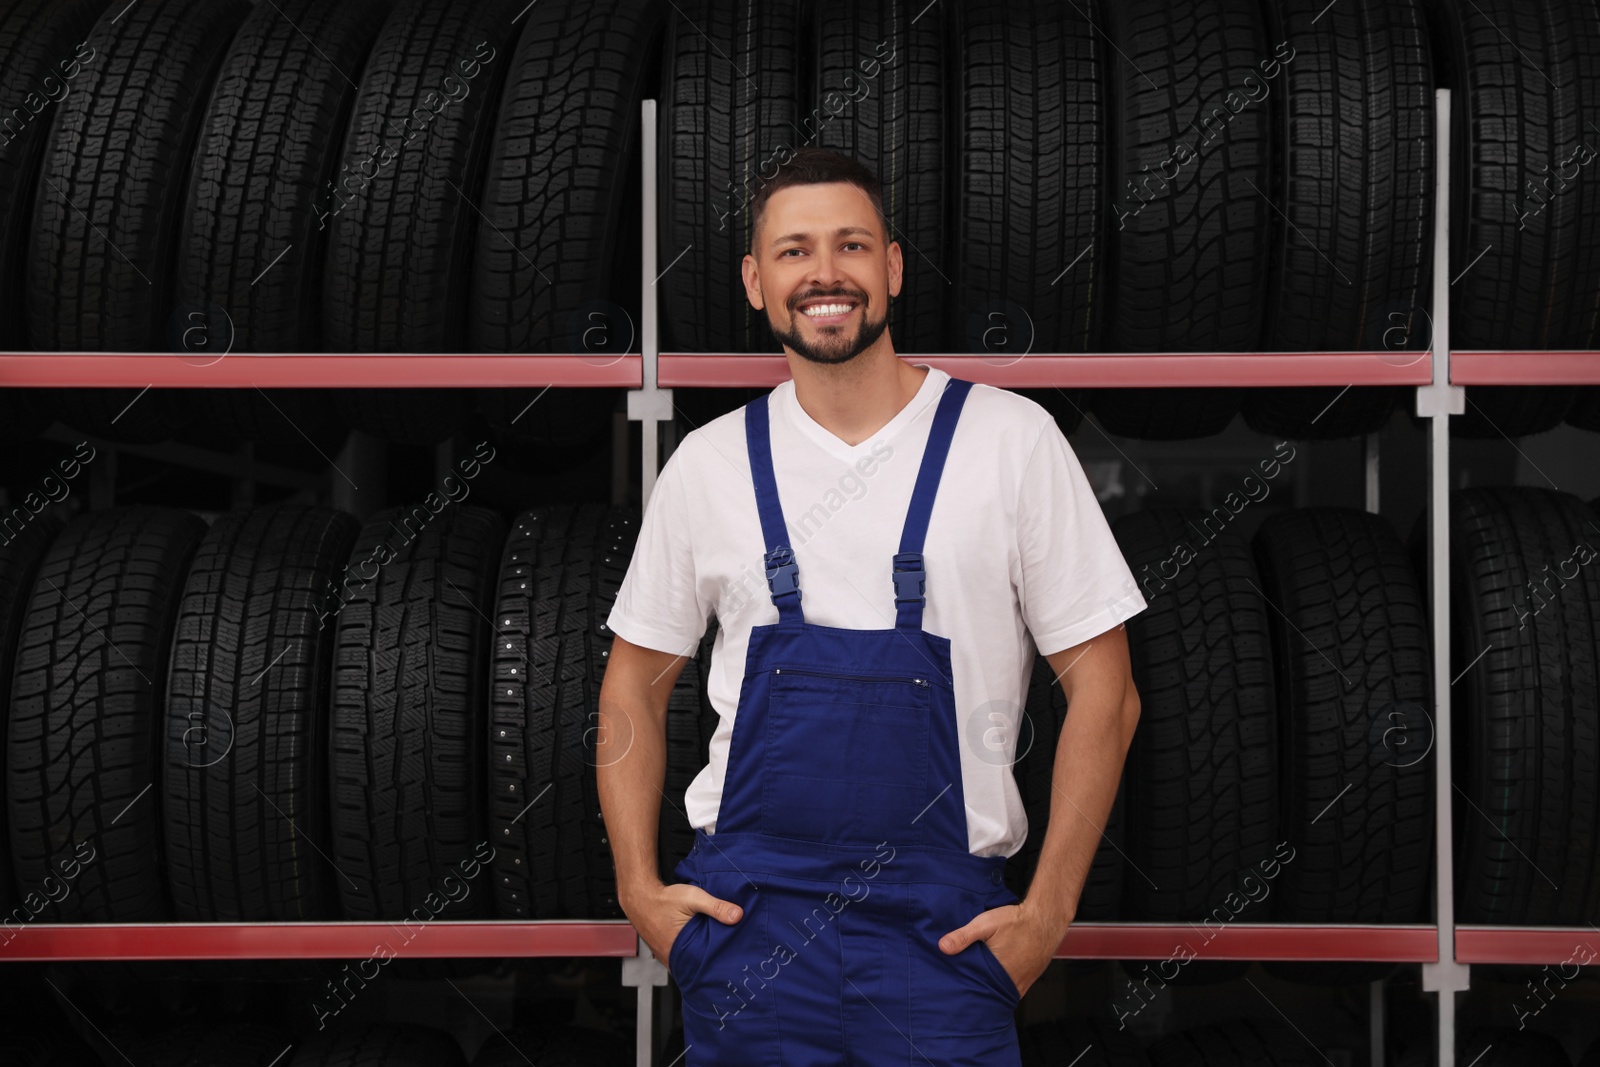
<point>658,604</point>
<point>1073,583</point>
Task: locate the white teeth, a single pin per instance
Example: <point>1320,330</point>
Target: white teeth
<point>827,309</point>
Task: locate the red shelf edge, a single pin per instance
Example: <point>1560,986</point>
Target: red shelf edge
<point>1095,370</point>
<point>1524,368</point>
<point>733,370</point>
<point>302,370</point>
<point>1401,943</point>
<point>1527,944</point>
<point>617,938</point>
<point>327,940</point>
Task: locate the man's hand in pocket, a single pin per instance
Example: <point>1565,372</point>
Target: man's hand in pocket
<point>1023,945</point>
<point>660,913</point>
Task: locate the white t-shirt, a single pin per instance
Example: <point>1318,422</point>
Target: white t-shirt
<point>1016,545</point>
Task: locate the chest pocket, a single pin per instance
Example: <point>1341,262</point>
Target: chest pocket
<point>846,757</point>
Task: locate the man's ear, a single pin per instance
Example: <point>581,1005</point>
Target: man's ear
<point>752,282</point>
<point>896,268</point>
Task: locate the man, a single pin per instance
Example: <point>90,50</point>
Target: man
<point>843,902</point>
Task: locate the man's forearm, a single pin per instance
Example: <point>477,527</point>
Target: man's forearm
<point>630,766</point>
<point>1088,767</point>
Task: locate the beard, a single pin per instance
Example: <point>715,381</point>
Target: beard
<point>834,346</point>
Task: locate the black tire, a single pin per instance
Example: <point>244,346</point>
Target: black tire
<point>246,808</point>
<point>253,224</point>
<point>23,544</point>
<point>559,576</point>
<point>1201,772</point>
<point>399,258</point>
<point>400,247</point>
<point>86,703</point>
<point>1353,678</point>
<point>719,127</point>
<point>1208,293</point>
<point>1027,205</point>
<point>1526,87</point>
<point>104,235</point>
<point>566,1046</point>
<point>876,89</point>
<point>408,756</point>
<point>1525,759</point>
<point>691,720</point>
<point>1034,770</point>
<point>379,1046</point>
<point>39,39</point>
<point>1502,1046</point>
<point>563,150</point>
<point>1352,251</point>
<point>1238,1043</point>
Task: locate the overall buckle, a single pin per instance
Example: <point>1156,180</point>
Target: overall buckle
<point>908,570</point>
<point>783,573</point>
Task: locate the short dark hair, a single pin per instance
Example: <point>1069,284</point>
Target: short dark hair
<point>813,165</point>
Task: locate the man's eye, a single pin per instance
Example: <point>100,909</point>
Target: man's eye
<point>855,244</point>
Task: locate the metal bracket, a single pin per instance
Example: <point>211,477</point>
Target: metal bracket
<point>1446,976</point>
<point>650,403</point>
<point>644,970</point>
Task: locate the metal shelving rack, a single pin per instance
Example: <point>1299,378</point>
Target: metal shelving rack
<point>1444,950</point>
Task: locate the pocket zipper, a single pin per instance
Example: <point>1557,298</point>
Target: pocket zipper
<point>852,677</point>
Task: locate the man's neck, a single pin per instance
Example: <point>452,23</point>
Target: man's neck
<point>855,400</point>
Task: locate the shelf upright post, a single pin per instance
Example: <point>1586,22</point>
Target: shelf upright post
<point>1438,402</point>
<point>1369,452</point>
<point>650,405</point>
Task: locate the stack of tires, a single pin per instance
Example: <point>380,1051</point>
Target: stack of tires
<point>1241,175</point>
<point>1282,769</point>
<point>291,715</point>
<point>204,177</point>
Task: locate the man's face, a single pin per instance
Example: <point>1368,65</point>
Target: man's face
<point>821,248</point>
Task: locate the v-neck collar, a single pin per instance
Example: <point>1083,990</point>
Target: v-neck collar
<point>932,384</point>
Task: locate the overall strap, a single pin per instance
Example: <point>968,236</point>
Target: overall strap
<point>909,579</point>
<point>783,575</point>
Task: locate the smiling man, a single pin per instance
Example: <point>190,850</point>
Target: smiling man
<point>844,902</point>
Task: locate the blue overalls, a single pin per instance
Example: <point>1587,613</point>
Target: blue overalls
<point>842,833</point>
